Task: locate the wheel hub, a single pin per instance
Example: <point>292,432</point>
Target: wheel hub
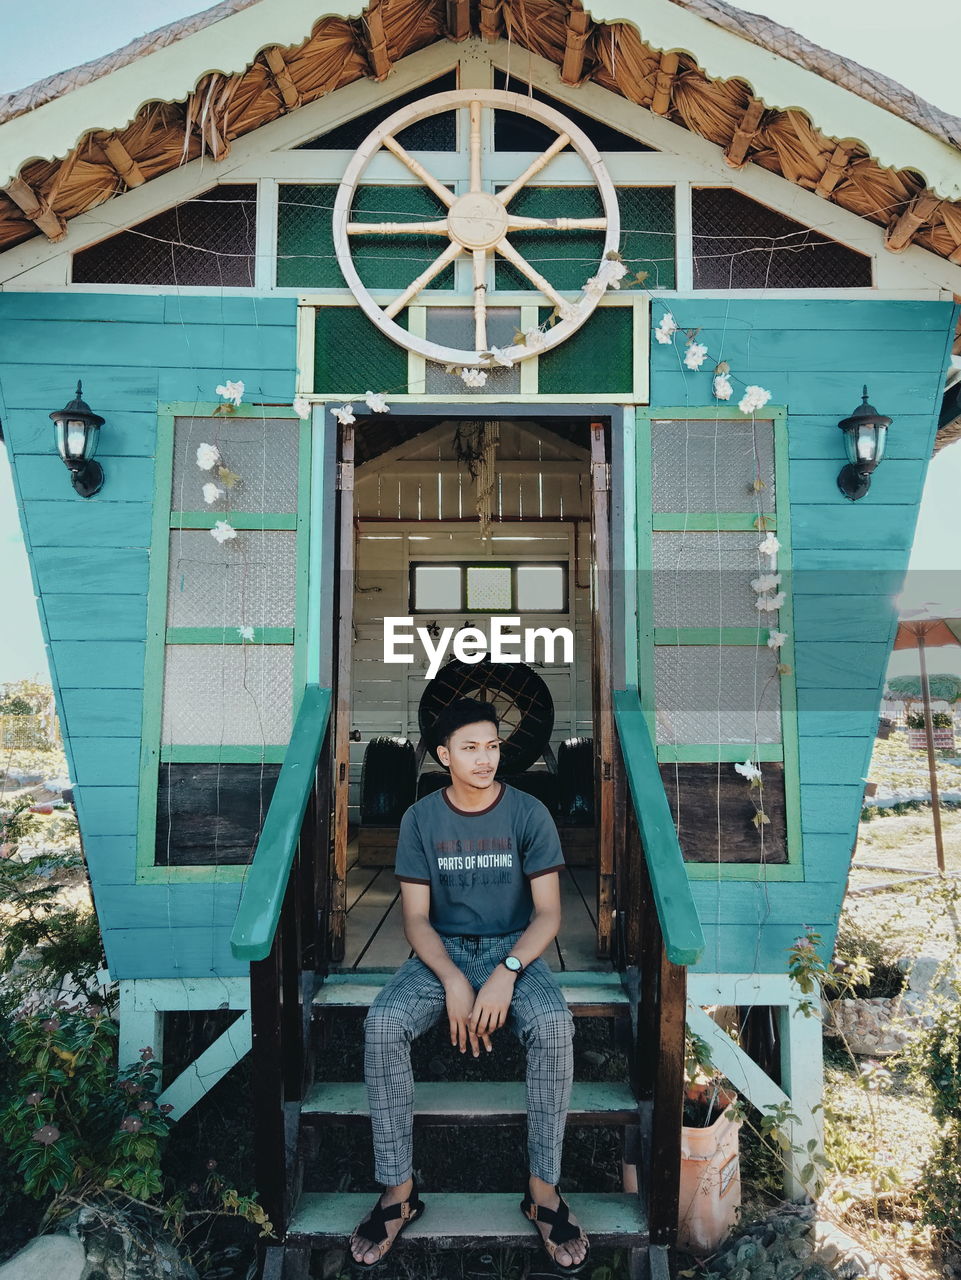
<point>477,220</point>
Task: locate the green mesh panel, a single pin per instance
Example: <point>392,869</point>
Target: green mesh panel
<point>305,245</point>
<point>598,359</point>
<point>352,356</point>
<point>515,132</point>
<point>567,259</point>
<point>436,133</point>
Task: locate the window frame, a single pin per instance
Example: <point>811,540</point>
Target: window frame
<point>159,636</point>
<point>463,565</point>
<point>647,523</point>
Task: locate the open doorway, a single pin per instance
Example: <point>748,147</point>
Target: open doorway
<point>449,525</point>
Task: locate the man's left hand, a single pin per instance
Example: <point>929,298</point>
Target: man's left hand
<point>493,1002</point>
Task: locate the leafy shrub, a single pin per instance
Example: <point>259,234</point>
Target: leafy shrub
<point>939,720</point>
<point>865,958</point>
<point>935,1058</point>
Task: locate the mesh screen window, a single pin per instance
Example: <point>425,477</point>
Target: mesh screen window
<point>488,588</point>
<point>740,244</point>
<point>513,132</point>
<point>436,133</point>
<point>205,241</point>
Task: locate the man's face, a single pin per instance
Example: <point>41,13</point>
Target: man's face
<point>472,754</point>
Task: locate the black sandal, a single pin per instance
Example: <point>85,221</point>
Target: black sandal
<point>374,1226</point>
<point>562,1231</point>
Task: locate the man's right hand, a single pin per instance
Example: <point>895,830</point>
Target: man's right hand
<point>460,1002</point>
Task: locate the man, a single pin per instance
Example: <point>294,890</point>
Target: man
<point>478,865</point>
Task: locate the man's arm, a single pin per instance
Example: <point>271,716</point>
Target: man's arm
<point>429,948</point>
<point>494,998</point>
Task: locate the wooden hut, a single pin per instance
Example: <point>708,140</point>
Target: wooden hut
<point>618,279</point>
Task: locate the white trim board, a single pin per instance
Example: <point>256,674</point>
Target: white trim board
<point>682,159</point>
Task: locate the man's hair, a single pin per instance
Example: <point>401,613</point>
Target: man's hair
<point>463,711</point>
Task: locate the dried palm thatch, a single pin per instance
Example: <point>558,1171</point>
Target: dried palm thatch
<point>339,51</point>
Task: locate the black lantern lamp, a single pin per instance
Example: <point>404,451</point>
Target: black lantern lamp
<point>865,433</point>
<point>78,432</point>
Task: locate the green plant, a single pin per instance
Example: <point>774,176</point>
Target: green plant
<point>935,1060</point>
<point>939,720</point>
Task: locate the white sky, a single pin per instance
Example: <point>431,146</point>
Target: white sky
<point>46,36</point>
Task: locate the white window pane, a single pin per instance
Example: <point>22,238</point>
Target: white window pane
<point>437,586</point>
<point>489,587</point>
<point>540,587</point>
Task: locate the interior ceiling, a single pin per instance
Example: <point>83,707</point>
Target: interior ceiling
<point>377,434</point>
<point>672,85</point>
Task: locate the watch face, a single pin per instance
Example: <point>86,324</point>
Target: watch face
<point>513,963</point>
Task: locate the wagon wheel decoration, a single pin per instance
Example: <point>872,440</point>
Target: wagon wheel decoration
<point>478,223</point>
<point>520,697</point>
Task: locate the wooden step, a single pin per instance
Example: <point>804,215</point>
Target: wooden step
<point>455,1219</point>
<point>589,995</point>
<point>473,1102</point>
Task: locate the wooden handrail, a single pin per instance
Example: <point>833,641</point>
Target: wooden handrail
<point>680,926</point>
<point>266,883</point>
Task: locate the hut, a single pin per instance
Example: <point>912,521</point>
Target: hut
<point>401,325</point>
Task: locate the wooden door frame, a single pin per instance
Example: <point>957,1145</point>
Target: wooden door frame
<point>607,419</point>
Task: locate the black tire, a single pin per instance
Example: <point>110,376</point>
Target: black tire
<point>575,782</point>
<point>540,784</point>
<point>388,782</point>
<point>430,781</point>
<point>521,698</point>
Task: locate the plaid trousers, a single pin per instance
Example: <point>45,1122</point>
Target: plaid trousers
<point>413,1001</point>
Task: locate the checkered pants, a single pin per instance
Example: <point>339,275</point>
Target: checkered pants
<point>413,1001</point>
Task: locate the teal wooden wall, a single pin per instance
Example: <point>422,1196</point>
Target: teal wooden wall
<point>90,561</point>
<point>849,560</point>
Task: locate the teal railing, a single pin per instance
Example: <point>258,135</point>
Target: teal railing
<point>266,884</point>
<point>680,926</point>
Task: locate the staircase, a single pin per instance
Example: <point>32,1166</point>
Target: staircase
<point>460,1219</point>
<point>282,930</point>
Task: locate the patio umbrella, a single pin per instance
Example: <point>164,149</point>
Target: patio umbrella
<point>922,633</point>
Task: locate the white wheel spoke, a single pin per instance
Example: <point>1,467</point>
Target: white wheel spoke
<point>424,279</point>
<point>558,145</point>
<point>533,275</point>
<point>438,228</point>
<point>480,299</point>
<point>475,146</point>
<point>515,223</point>
<point>442,193</point>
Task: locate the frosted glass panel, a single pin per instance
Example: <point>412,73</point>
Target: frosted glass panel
<point>724,694</point>
<point>711,466</point>
<point>228,695</point>
<point>704,579</point>
<point>437,586</point>
<point>454,327</point>
<point>261,452</point>
<point>249,580</point>
<point>489,588</point>
<point>540,587</point>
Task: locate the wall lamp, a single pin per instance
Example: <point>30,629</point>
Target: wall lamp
<point>865,433</point>
<point>78,433</point>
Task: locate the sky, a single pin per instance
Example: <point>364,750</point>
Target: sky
<point>51,35</point>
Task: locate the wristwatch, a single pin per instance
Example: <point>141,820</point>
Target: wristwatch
<point>513,964</point>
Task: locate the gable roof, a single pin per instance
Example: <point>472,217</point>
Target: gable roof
<point>764,93</point>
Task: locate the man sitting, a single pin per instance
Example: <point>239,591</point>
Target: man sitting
<point>478,865</point>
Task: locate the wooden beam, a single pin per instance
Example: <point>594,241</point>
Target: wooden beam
<point>282,78</point>
<point>120,159</point>
<point>578,29</point>
<point>377,55</point>
<point>36,208</point>
<point>490,19</point>
<point>735,154</point>
<point>921,210</point>
<point>458,20</point>
<point>664,84</point>
<point>834,171</point>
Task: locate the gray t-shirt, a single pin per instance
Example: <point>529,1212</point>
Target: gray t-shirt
<point>478,865</point>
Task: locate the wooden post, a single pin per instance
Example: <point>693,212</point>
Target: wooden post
<point>270,1155</point>
<point>292,1024</point>
<point>603,712</point>
<point>665,1150</point>
<point>932,761</point>
<point>345,632</point>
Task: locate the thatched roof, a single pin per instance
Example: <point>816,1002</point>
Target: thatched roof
<point>692,86</point>
<point>225,105</point>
